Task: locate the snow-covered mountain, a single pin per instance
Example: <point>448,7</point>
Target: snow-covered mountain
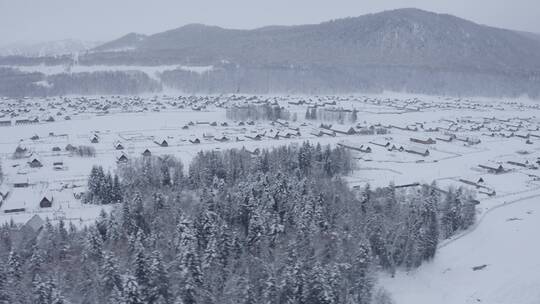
<point>49,48</point>
<point>403,37</point>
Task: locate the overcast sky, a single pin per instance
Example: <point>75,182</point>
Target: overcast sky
<point>102,20</point>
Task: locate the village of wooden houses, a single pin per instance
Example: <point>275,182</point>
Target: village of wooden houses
<point>49,145</point>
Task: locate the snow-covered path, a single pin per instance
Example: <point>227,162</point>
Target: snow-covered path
<point>507,241</point>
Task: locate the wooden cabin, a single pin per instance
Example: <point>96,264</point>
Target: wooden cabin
<point>147,153</point>
<point>46,201</point>
<point>424,141</point>
<point>419,151</point>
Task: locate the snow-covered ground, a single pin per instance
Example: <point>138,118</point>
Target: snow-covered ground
<point>504,245</point>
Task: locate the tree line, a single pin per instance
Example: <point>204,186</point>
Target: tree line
<point>332,114</point>
<point>257,112</point>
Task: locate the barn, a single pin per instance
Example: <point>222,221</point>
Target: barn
<point>361,148</point>
<point>256,137</point>
<point>316,132</point>
<point>222,138</point>
<point>419,151</point>
<point>20,149</point>
<point>396,148</point>
<point>424,141</point>
<point>35,163</point>
<point>328,132</point>
<point>147,153</point>
<point>94,139</point>
<point>21,183</point>
<point>493,168</point>
<point>162,142</point>
<point>380,143</point>
<point>273,135</point>
<point>58,165</point>
<point>122,159</point>
<point>118,146</point>
<point>343,130</point>
<point>46,201</point>
<point>444,137</point>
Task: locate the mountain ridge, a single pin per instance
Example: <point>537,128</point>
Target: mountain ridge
<point>402,37</point>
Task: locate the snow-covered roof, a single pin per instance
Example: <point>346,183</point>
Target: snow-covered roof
<point>4,190</point>
<point>35,223</point>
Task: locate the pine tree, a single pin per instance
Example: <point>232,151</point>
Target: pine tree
<point>165,175</point>
<point>93,182</point>
<point>42,292</point>
<point>128,221</point>
<point>107,190</point>
<point>159,281</point>
<point>318,290</point>
<point>147,177</point>
<point>361,276</point>
<point>430,228</point>
<point>468,208</point>
<point>63,234</point>
<point>4,287</point>
<point>36,261</point>
<point>48,241</point>
<point>187,261</point>
<point>354,116</point>
<point>110,277</point>
<point>131,293</point>
<point>101,224</point>
<point>113,228</point>
<point>94,244</point>
<point>14,267</point>
<point>46,292</point>
<point>141,268</point>
<point>137,214</point>
<point>450,214</point>
<point>116,192</point>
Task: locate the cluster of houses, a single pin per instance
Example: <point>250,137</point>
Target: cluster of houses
<point>22,111</point>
